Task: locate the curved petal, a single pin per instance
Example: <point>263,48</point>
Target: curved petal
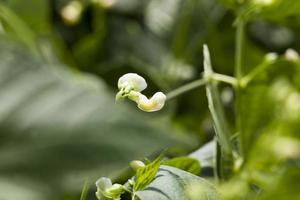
<point>133,81</point>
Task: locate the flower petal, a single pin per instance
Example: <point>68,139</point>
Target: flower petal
<point>156,102</point>
<point>133,81</point>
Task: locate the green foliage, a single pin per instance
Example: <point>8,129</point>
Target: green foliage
<point>145,175</point>
<point>59,124</point>
<point>187,164</point>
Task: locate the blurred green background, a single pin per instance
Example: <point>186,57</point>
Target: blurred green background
<point>59,65</point>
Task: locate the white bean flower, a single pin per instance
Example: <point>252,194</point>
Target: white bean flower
<point>106,190</point>
<point>130,85</point>
<point>130,82</point>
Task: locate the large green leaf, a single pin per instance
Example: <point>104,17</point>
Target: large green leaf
<point>172,184</point>
<point>187,164</point>
<point>58,127</point>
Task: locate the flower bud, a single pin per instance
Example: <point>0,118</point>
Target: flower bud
<point>136,164</point>
<point>71,13</point>
<point>271,57</point>
<point>291,55</point>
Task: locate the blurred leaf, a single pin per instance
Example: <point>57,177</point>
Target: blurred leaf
<point>285,186</point>
<point>187,164</point>
<point>268,9</point>
<point>18,28</point>
<point>37,15</point>
<point>275,9</point>
<point>59,127</point>
<point>258,107</point>
<point>171,184</point>
<point>160,16</point>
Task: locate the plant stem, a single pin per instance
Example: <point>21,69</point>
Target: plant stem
<point>224,78</point>
<point>200,82</point>
<point>215,105</point>
<point>239,48</point>
<point>240,25</point>
<point>186,88</point>
<point>85,190</point>
<point>268,61</point>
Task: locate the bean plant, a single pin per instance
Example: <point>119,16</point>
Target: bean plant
<point>240,171</point>
<point>149,99</point>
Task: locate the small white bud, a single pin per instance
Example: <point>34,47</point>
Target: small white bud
<point>271,57</point>
<point>71,13</point>
<point>155,103</point>
<point>136,164</point>
<point>291,55</point>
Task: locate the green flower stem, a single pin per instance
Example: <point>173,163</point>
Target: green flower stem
<point>239,48</point>
<point>224,78</point>
<point>269,60</point>
<point>85,190</point>
<point>200,82</point>
<point>240,26</point>
<point>186,88</point>
<point>215,105</point>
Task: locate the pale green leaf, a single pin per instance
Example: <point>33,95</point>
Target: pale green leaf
<point>187,164</point>
<point>145,175</point>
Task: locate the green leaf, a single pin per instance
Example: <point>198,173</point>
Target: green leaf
<point>145,175</point>
<point>172,184</point>
<point>187,164</point>
<point>58,127</point>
